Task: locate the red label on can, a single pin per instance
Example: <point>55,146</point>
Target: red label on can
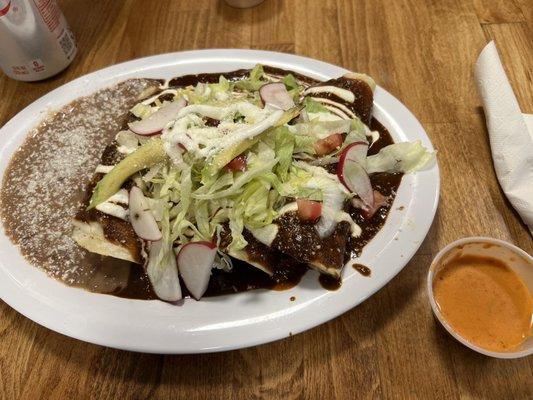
<point>5,8</point>
<point>20,70</point>
<point>49,12</point>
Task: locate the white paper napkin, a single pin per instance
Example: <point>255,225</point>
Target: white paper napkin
<point>510,133</point>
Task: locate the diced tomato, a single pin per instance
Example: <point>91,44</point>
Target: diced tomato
<point>328,144</point>
<point>237,164</point>
<point>309,210</point>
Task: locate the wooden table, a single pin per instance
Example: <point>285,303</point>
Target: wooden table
<point>388,347</point>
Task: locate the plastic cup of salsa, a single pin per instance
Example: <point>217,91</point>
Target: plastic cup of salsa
<point>482,247</point>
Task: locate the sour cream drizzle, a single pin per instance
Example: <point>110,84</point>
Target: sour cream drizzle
<point>116,205</point>
<point>336,104</point>
<point>344,94</point>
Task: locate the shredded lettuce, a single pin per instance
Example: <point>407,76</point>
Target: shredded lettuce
<point>141,110</point>
<point>258,165</point>
<point>296,185</point>
<point>313,106</point>
<point>290,82</point>
<point>284,149</point>
<point>401,157</point>
<point>258,210</point>
<point>254,81</point>
<point>322,129</point>
<point>180,210</point>
<point>201,216</point>
<point>265,234</point>
<point>292,86</point>
<point>304,144</point>
<point>221,89</point>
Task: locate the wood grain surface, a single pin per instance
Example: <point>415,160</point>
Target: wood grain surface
<point>388,347</point>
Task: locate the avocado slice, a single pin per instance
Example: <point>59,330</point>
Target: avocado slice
<point>149,154</point>
<point>225,156</point>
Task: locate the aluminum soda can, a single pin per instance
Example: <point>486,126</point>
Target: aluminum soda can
<point>35,39</point>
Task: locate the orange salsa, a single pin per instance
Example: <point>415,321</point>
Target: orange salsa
<point>484,301</point>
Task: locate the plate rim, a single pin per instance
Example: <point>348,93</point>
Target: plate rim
<point>234,56</point>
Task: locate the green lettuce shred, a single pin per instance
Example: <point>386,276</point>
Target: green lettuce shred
<point>313,106</point>
<point>284,148</point>
<point>292,86</point>
<point>254,81</point>
<point>401,157</point>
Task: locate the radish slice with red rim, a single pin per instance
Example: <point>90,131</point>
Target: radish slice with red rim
<point>368,211</point>
<point>163,273</point>
<point>379,200</point>
<point>352,174</point>
<point>276,95</point>
<point>155,123</point>
<point>141,218</point>
<point>195,261</point>
<point>355,151</point>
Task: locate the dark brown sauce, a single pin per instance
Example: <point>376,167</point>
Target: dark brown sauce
<point>302,242</point>
<point>193,79</point>
<point>329,282</point>
<point>242,277</point>
<point>362,269</point>
<point>211,122</point>
<point>138,286</point>
<point>362,104</point>
<point>233,76</point>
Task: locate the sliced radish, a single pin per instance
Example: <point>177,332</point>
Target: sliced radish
<point>141,218</point>
<point>328,144</point>
<point>163,273</point>
<point>155,123</point>
<point>379,200</point>
<point>355,151</point>
<point>352,174</point>
<point>195,261</point>
<point>309,210</point>
<point>237,164</point>
<point>276,95</point>
<point>369,211</point>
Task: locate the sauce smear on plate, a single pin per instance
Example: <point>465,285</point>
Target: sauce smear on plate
<point>484,301</point>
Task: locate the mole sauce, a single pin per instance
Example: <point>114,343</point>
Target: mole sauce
<point>125,279</point>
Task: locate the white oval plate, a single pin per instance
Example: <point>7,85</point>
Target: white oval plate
<point>231,321</point>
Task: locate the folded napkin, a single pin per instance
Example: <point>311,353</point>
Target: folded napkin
<point>510,133</point>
